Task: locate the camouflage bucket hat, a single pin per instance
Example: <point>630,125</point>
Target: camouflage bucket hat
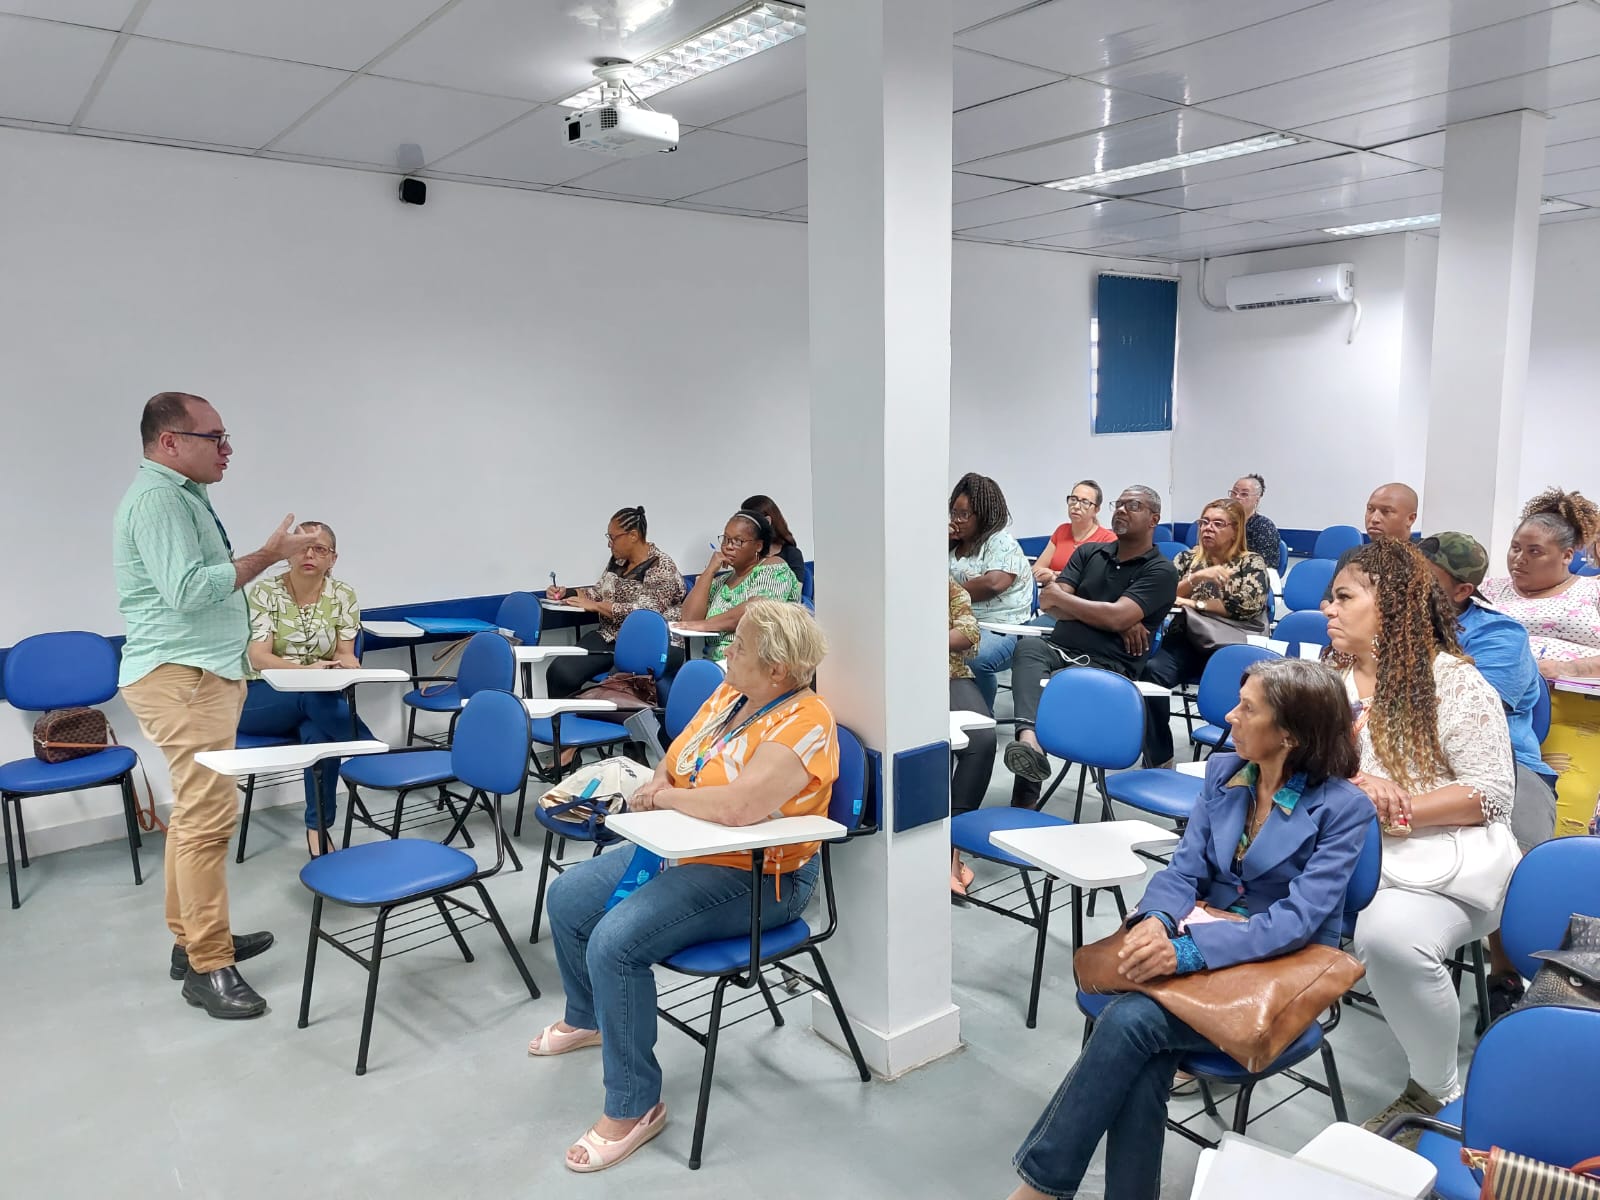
<point>1460,555</point>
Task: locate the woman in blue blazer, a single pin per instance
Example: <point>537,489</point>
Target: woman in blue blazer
<point>1269,850</point>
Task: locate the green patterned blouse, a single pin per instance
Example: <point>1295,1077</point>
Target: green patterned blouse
<point>769,580</point>
<point>303,635</point>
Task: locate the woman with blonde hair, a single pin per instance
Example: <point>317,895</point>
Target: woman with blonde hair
<point>1560,609</point>
<point>763,746</point>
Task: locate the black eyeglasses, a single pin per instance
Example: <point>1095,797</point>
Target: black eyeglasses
<point>1130,505</point>
<point>221,439</point>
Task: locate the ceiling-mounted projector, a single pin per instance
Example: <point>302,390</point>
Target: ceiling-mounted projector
<point>621,125</point>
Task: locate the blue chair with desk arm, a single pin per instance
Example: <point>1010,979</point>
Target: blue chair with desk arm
<point>1305,584</point>
<point>1219,692</point>
<point>1214,1067</point>
<point>521,615</point>
<point>1335,540</point>
<point>490,755</point>
<point>1170,549</point>
<point>1305,627</point>
<point>728,960</point>
<point>55,671</point>
<point>697,679</point>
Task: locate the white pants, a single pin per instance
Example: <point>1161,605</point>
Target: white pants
<point>1404,937</point>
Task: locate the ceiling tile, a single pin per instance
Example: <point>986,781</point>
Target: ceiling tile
<point>1104,214</point>
<point>970,187</point>
<point>704,159</point>
<point>970,12</point>
<point>46,69</point>
<point>1280,181</point>
<point>1338,198</point>
<point>1568,84</point>
<point>979,78</point>
<point>205,95</point>
<point>102,14</point>
<point>1018,202</point>
<point>1572,156</point>
<point>1122,145</point>
<point>1571,183</point>
<point>781,121</point>
<point>368,121</point>
<point>1574,122</point>
<point>1237,239</point>
<point>1425,151</point>
<point>348,34</point>
<point>534,150</point>
<point>1592,199</point>
<point>775,191</point>
<point>1076,38</point>
<point>535,48</point>
<point>1304,42</point>
<point>1482,56</point>
<point>1045,114</point>
<point>1360,214</point>
<point>1582,214</point>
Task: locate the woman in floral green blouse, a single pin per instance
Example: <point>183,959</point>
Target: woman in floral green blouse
<point>306,620</point>
<point>741,569</point>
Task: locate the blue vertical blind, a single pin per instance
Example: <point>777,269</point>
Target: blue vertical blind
<point>1135,352</point>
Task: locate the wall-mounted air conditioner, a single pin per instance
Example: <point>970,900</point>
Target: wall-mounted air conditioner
<point>1332,284</point>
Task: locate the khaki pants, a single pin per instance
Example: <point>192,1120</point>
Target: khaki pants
<point>185,710</point>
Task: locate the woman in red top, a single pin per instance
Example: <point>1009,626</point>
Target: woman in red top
<point>1082,528</point>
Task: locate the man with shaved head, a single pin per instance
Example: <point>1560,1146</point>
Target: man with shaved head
<point>1391,512</point>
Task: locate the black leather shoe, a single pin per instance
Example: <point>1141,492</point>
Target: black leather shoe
<point>245,945</point>
<point>223,994</point>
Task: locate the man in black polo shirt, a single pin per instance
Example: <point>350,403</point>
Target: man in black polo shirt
<point>1108,604</point>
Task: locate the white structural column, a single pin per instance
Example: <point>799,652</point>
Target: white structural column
<point>878,113</point>
<point>1483,310</point>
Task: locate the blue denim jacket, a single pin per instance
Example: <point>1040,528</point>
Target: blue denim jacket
<point>1291,880</point>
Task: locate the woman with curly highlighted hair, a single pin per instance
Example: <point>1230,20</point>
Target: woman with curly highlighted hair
<point>1561,612</point>
<point>1435,757</point>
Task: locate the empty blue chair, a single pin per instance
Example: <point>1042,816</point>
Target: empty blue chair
<point>640,649</point>
<point>697,679</point>
<point>1086,716</point>
<point>1335,540</point>
<point>1533,1089</point>
<point>728,960</point>
<point>1554,881</point>
<point>490,755</point>
<point>63,670</point>
<point>1219,692</point>
<point>1283,556</point>
<point>1306,627</point>
<point>1170,550</point>
<point>1191,533</point>
<point>520,614</point>
<point>487,664</point>
<point>1162,533</point>
<point>1303,587</point>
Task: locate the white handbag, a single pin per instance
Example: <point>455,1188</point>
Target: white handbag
<point>1469,863</point>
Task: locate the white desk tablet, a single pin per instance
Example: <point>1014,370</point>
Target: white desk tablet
<point>675,835</point>
<point>331,679</point>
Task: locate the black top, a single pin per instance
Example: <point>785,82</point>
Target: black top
<point>796,562</point>
<point>1095,573</point>
<point>1261,535</point>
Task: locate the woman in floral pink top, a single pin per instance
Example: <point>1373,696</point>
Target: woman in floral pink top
<point>1561,612</point>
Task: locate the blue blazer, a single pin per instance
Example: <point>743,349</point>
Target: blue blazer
<point>1293,877</point>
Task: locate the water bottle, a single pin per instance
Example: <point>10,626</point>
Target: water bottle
<point>642,868</point>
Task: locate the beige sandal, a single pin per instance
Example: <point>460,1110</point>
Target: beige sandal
<point>552,1041</point>
<point>608,1152</point>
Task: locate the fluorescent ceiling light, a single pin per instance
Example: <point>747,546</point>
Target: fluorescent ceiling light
<point>748,30</point>
<point>1427,219</point>
<point>1254,145</point>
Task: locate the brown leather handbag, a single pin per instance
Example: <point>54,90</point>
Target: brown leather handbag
<point>1508,1176</point>
<point>1251,1012</point>
<point>629,692</point>
<point>63,734</point>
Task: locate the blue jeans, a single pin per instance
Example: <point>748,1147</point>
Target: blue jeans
<point>1117,1090</point>
<point>312,717</point>
<point>994,656</point>
<point>605,957</point>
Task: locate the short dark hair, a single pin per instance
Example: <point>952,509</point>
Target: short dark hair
<point>768,508</point>
<point>1310,705</point>
<point>1261,484</point>
<point>1152,498</point>
<point>164,412</point>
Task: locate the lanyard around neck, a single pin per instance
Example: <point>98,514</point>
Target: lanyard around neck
<point>726,735</point>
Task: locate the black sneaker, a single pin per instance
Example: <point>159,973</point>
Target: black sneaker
<point>1504,992</point>
<point>1023,760</point>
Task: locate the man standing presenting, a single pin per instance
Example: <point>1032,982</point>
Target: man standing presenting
<point>1108,603</point>
<point>182,676</point>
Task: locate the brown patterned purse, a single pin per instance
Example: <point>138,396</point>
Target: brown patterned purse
<point>63,734</point>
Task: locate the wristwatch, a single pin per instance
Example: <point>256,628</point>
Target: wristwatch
<point>1200,604</point>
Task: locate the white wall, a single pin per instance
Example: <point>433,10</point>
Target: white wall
<point>1558,442</point>
<point>445,385</point>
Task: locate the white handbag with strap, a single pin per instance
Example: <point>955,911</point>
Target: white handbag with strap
<point>1469,863</point>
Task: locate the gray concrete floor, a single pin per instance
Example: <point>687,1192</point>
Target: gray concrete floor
<point>110,1086</point>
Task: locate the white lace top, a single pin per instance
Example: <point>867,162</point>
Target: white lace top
<point>1472,731</point>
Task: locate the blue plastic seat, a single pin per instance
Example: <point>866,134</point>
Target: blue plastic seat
<point>1161,792</point>
<point>1161,533</point>
<point>1305,627</point>
<point>1305,585</point>
<point>1170,549</point>
<point>489,754</point>
<point>62,670</point>
<point>1219,693</point>
<point>727,960</point>
<point>1335,540</point>
<point>969,832</point>
<point>484,663</point>
<point>398,771</point>
<point>1283,556</point>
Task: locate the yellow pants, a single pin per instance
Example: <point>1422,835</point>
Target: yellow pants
<point>1573,749</point>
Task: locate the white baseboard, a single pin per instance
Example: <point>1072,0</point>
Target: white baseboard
<point>891,1055</point>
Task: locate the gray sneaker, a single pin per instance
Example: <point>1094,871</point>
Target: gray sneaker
<point>1415,1099</point>
<point>1023,760</point>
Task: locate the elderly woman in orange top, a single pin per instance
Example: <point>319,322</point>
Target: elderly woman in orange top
<point>764,745</point>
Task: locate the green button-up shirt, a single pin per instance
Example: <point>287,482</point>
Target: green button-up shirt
<point>175,579</point>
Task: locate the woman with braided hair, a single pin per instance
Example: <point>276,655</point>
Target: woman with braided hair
<point>1561,612</point>
<point>990,565</point>
<point>1435,754</point>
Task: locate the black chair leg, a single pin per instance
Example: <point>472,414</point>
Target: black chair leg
<point>1481,975</point>
<point>706,1070</point>
<point>1077,809</point>
<point>1210,1101</point>
<point>22,835</point>
<point>1335,1091</point>
<point>311,962</point>
<point>839,1013</point>
<point>450,924</point>
<point>11,862</point>
<point>505,938</point>
<point>244,816</point>
<point>766,994</point>
<point>1038,954</point>
<point>538,895</point>
<point>522,800</point>
<point>372,990</point>
<point>130,815</point>
<point>352,802</point>
<point>411,728</point>
<point>1241,1108</point>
